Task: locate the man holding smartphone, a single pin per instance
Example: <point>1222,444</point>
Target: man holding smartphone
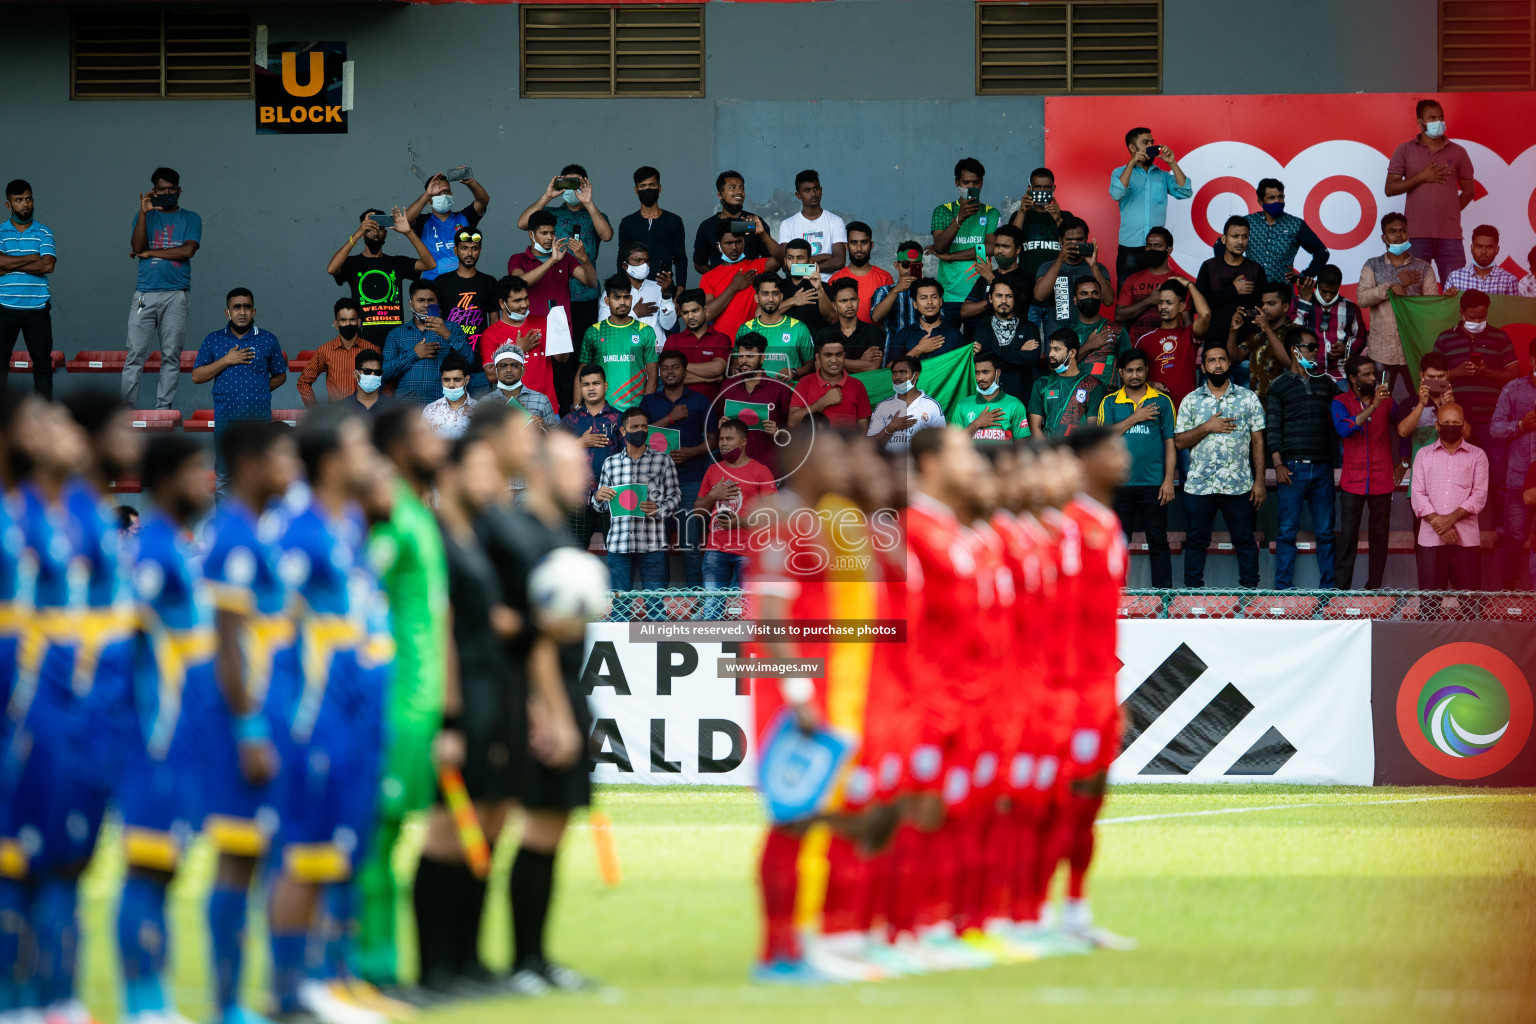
<point>414,351</point>
<point>891,305</point>
<point>568,196</point>
<point>438,228</point>
<point>373,277</point>
<point>548,264</point>
<point>963,233</point>
<point>165,238</point>
<point>246,364</point>
<point>1142,190</point>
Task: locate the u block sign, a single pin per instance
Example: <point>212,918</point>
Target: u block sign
<point>299,92</point>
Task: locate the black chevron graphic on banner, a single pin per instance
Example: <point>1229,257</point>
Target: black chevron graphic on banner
<point>1266,757</point>
<point>1159,690</point>
<point>1197,739</point>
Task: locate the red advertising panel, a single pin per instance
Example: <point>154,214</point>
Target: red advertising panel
<point>1331,151</point>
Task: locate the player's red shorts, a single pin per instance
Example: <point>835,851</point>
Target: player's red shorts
<point>1095,740</point>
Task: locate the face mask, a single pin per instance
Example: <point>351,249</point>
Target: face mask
<point>373,245</point>
<point>1156,258</point>
<point>1306,364</point>
<point>1365,388</point>
<point>570,197</point>
<point>1474,326</point>
<point>1088,307</point>
<point>509,387</point>
<point>1450,434</point>
<point>453,394</point>
<point>1062,368</point>
<point>1484,266</point>
<point>733,259</point>
<point>1004,262</point>
<point>635,438</point>
<point>987,392</point>
<point>347,331</point>
<point>442,204</point>
<point>541,250</point>
<point>1327,303</point>
<point>903,387</point>
<point>163,202</point>
<point>639,272</point>
<point>1273,209</point>
<point>19,219</point>
<point>1434,129</point>
<point>1218,380</point>
<point>648,196</point>
<point>368,383</point>
<point>965,193</point>
<point>1398,248</point>
<point>513,318</point>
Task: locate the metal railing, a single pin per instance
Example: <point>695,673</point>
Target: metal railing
<point>686,603</point>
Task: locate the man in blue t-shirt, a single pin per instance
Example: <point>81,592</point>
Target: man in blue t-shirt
<point>438,226</point>
<point>676,406</point>
<point>165,238</point>
<point>245,363</point>
<point>27,257</point>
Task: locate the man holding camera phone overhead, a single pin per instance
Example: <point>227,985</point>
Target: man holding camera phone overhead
<point>548,264</point>
<point>373,277</point>
<point>438,228</point>
<point>1142,190</point>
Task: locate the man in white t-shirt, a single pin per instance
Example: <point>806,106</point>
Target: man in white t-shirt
<point>895,420</point>
<point>822,228</point>
<point>653,304</point>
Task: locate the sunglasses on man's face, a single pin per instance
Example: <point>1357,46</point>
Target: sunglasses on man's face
<point>1308,346</point>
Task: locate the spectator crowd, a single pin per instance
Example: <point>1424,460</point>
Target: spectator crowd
<point>677,389</point>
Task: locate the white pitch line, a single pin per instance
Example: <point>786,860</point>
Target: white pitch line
<point>1284,807</point>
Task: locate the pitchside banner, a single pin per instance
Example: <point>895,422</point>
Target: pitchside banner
<point>1331,151</point>
<point>1453,703</point>
<point>1205,701</point>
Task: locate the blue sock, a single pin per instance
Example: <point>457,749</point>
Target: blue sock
<point>226,930</point>
<point>288,968</point>
<point>15,903</point>
<point>141,938</point>
<point>339,918</point>
<point>57,931</point>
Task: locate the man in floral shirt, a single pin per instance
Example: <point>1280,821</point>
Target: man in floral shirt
<point>1222,427</point>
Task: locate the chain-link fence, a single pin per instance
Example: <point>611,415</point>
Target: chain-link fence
<point>1390,605</point>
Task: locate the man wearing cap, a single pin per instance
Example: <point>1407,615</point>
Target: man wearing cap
<point>508,362</point>
<point>892,304</point>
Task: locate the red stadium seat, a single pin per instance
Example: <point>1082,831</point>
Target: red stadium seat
<point>288,416</point>
<point>1282,606</point>
<point>21,362</point>
<point>97,361</point>
<point>1204,606</point>
<point>125,485</point>
<point>156,420</point>
<point>200,422</point>
<point>1140,606</point>
<point>298,362</point>
<point>1399,542</point>
<point>152,364</point>
<point>1360,606</point>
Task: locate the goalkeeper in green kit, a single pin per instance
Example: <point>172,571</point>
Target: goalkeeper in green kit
<point>407,553</point>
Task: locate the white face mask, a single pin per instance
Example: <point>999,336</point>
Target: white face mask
<point>733,259</point>
<point>442,203</point>
<point>570,197</point>
<point>513,318</point>
<point>1327,303</point>
<point>639,271</point>
<point>989,390</point>
<point>1434,129</point>
<point>1474,326</point>
<point>1485,266</point>
<point>453,394</point>
<point>540,249</point>
<point>903,387</point>
<point>509,387</point>
<point>368,383</point>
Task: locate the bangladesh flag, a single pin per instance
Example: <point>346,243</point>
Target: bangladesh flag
<point>946,379</point>
<point>1422,318</point>
<point>663,439</point>
<point>626,500</point>
<point>756,415</point>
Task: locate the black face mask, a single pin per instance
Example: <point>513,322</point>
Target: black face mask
<point>347,331</point>
<point>1218,379</point>
<point>1449,434</point>
<point>373,245</point>
<point>1088,307</point>
<point>648,196</point>
<point>1365,387</point>
<point>636,438</point>
<point>1156,258</point>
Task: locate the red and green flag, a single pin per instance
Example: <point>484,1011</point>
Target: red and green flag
<point>1423,318</point>
<point>663,439</point>
<point>626,500</point>
<point>756,415</point>
<point>946,379</point>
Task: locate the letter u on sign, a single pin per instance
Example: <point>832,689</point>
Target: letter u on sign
<point>291,75</point>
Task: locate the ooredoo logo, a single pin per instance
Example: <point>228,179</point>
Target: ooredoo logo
<point>1464,710</point>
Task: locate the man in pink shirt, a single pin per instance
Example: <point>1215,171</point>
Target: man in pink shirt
<point>1450,487</point>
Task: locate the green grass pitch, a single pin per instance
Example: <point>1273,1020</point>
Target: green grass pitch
<point>1291,903</point>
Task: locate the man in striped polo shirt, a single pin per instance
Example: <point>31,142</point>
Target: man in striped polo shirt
<point>26,260</point>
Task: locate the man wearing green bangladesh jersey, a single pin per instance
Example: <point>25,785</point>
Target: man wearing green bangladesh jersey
<point>963,236</point>
<point>624,347</point>
<point>1068,396</point>
<point>791,352</point>
<point>1102,343</point>
<point>406,552</point>
<point>989,414</point>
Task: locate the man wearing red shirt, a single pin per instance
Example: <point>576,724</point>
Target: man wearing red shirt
<point>747,383</point>
<point>518,324</point>
<point>865,274</point>
<point>1095,741</point>
<point>706,349</point>
<point>1173,350</point>
<point>549,263</point>
<point>732,300</point>
<point>1136,303</point>
<point>831,391</point>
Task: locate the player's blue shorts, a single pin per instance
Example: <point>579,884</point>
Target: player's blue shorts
<point>239,818</point>
<point>159,794</point>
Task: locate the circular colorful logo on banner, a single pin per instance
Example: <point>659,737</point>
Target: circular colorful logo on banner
<point>1464,710</point>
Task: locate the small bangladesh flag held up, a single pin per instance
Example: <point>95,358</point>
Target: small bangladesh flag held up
<point>626,500</point>
<point>756,415</point>
<point>663,439</point>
